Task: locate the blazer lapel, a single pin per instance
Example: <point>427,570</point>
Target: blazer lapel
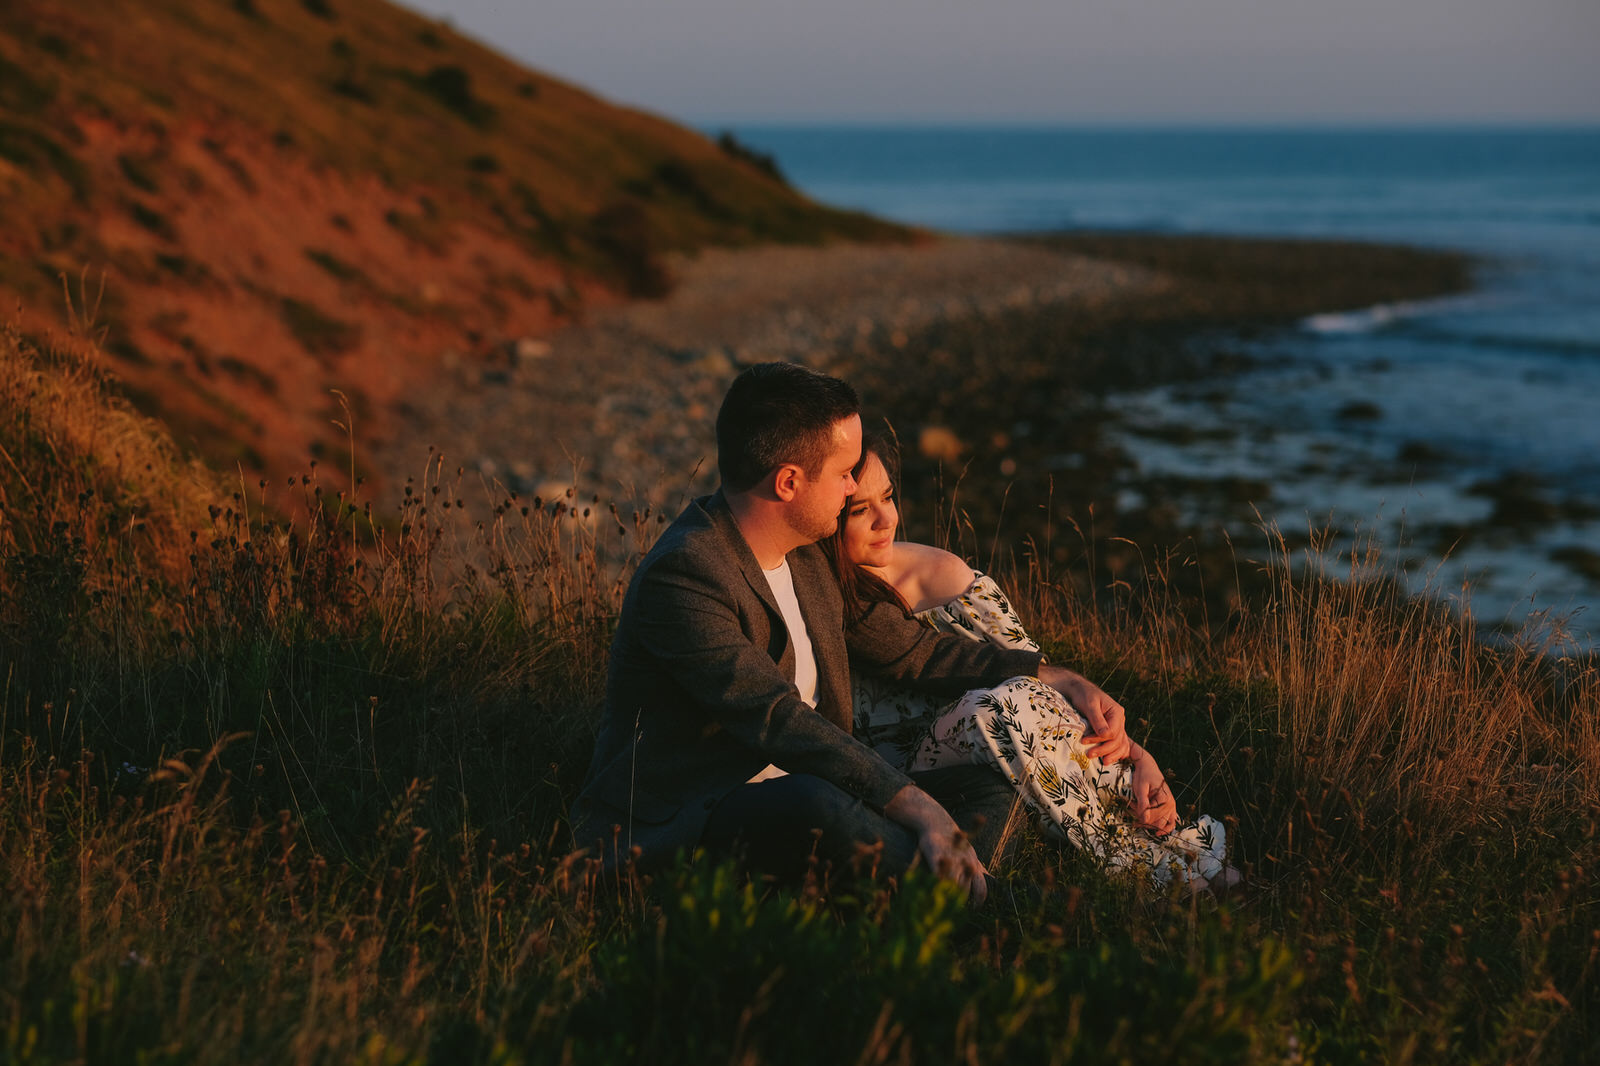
<point>740,555</point>
<point>816,589</point>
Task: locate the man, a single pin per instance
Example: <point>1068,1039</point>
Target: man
<point>728,712</point>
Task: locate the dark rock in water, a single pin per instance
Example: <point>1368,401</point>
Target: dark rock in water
<point>1420,453</point>
<point>1233,361</point>
<point>1519,500</point>
<point>1233,491</point>
<point>1181,433</point>
<point>1360,411</point>
<point>1522,500</point>
<point>1413,459</point>
<point>1585,561</point>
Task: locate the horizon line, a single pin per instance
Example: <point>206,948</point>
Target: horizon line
<point>1285,125</point>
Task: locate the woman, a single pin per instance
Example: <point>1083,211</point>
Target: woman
<point>1123,813</point>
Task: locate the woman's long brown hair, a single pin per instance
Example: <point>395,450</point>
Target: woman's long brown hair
<point>860,586</point>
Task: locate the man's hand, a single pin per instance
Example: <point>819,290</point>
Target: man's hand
<point>1154,805</point>
<point>1109,741</point>
<point>944,846</point>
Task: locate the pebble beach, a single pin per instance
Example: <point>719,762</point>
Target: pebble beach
<point>935,334</point>
<point>997,362</point>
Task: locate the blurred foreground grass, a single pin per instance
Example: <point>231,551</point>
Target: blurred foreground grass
<point>294,791</point>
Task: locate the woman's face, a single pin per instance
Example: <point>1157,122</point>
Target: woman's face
<point>871,516</point>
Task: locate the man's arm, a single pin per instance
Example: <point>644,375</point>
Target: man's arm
<point>944,846</point>
<point>1109,743</point>
<point>886,643</point>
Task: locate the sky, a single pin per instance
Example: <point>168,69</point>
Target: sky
<point>1068,61</point>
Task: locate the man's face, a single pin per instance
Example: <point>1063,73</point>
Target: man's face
<point>814,510</point>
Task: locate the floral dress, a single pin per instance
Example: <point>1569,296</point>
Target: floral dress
<point>1029,732</point>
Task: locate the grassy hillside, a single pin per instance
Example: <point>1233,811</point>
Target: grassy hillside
<point>269,199</point>
<point>295,789</point>
<point>296,792</point>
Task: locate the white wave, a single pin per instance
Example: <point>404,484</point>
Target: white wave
<point>1380,316</point>
<point>1366,320</point>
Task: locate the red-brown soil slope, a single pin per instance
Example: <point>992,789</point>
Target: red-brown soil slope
<point>264,201</point>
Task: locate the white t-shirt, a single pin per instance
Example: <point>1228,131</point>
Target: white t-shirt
<point>781,581</point>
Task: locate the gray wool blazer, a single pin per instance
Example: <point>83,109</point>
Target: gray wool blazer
<point>700,694</point>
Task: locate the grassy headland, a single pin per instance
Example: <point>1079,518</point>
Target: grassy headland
<point>295,791</point>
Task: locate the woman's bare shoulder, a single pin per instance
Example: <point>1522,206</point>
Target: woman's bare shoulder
<point>928,576</point>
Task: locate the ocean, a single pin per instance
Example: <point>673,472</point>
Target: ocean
<point>1460,435</point>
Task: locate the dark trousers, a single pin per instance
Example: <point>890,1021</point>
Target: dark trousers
<point>778,824</point>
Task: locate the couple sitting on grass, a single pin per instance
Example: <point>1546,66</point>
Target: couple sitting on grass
<point>791,684</point>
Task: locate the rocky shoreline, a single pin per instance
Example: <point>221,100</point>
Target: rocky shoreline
<point>621,404</point>
<point>990,357</point>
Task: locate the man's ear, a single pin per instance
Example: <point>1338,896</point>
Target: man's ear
<point>786,481</point>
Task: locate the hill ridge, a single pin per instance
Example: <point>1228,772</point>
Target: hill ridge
<point>290,196</point>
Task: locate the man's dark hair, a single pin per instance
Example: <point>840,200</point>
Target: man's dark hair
<point>776,413</point>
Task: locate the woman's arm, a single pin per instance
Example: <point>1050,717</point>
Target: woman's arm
<point>926,576</point>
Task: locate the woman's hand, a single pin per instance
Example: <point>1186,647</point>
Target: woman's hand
<point>1154,805</point>
<point>1109,742</point>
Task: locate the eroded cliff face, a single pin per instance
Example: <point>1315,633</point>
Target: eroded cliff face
<point>237,301</point>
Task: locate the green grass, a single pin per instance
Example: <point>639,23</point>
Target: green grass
<point>278,790</point>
